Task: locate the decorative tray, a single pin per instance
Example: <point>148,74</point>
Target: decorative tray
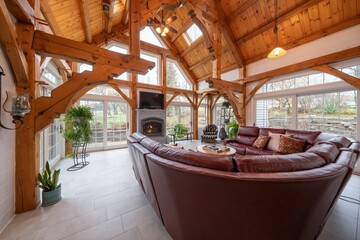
<point>216,148</point>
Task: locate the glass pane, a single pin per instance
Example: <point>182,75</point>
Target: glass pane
<point>104,90</point>
<point>152,77</point>
<point>194,32</point>
<point>274,112</point>
<point>147,35</point>
<point>125,75</point>
<point>97,125</point>
<point>310,112</point>
<point>175,78</point>
<point>178,114</point>
<point>116,123</point>
<point>202,116</point>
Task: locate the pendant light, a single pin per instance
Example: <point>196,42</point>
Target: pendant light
<point>277,51</point>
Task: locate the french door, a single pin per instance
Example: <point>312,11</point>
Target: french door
<point>110,125</point>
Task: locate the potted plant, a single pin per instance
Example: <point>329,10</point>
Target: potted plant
<point>77,124</point>
<point>180,130</point>
<point>48,181</point>
<point>225,104</point>
<point>233,127</point>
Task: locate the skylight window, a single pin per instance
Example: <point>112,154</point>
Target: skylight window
<point>193,33</point>
<point>147,35</point>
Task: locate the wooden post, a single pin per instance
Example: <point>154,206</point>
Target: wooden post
<point>209,109</point>
<point>134,50</point>
<point>27,142</point>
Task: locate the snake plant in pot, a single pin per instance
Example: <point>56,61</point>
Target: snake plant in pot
<point>48,181</point>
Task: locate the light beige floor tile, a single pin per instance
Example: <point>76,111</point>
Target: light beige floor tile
<point>126,205</point>
<point>131,234</point>
<point>139,216</point>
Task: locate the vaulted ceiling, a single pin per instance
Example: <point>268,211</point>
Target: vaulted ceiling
<point>246,26</point>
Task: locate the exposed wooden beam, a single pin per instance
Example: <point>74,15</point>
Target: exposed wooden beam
<point>21,10</point>
<point>241,9</point>
<point>208,91</point>
<point>54,46</point>
<point>183,28</point>
<point>85,19</point>
<point>169,89</point>
<point>48,108</point>
<point>353,81</point>
<point>193,105</point>
<point>296,9</point>
<point>327,59</point>
<point>206,59</point>
<point>230,38</point>
<point>193,45</point>
<point>171,99</point>
<point>123,95</point>
<point>201,99</point>
<point>219,83</point>
<point>209,75</point>
<point>109,15</point>
<point>46,10</point>
<point>255,89</point>
<point>181,60</point>
<point>125,17</point>
<point>8,38</point>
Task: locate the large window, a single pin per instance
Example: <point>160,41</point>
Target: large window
<point>317,101</point>
<point>175,77</point>
<point>178,114</point>
<point>329,112</point>
<point>123,50</point>
<point>152,77</point>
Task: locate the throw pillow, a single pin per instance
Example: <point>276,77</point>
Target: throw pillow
<point>274,141</point>
<point>261,142</point>
<point>290,145</point>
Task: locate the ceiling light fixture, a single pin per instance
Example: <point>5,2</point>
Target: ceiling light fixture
<point>277,51</point>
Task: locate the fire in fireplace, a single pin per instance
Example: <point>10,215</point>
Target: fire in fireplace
<point>152,126</point>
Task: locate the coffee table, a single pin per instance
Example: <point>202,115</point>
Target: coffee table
<point>231,151</point>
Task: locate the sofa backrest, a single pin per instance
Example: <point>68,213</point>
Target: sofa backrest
<point>247,135</point>
<point>265,131</point>
<point>216,162</point>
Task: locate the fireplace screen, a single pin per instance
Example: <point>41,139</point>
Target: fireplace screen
<point>152,127</point>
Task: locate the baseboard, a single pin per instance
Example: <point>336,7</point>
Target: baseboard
<point>12,218</point>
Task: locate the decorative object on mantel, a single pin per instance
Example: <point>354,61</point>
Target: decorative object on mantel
<point>78,132</point>
<point>48,181</point>
<point>16,104</point>
<point>277,51</point>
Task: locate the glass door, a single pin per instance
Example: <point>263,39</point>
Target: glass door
<point>110,124</point>
<point>117,119</point>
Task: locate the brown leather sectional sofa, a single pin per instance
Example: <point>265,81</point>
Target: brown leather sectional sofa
<point>200,196</point>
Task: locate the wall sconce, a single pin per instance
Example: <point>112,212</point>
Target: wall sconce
<point>16,104</point>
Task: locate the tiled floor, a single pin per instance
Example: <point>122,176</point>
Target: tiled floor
<point>104,201</point>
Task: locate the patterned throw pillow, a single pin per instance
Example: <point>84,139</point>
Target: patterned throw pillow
<point>261,142</point>
<point>290,145</point>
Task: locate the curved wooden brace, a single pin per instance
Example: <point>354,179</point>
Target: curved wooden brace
<point>190,101</point>
<point>201,99</point>
<point>216,99</point>
<point>48,108</point>
<point>171,99</point>
<point>131,102</point>
<point>253,92</point>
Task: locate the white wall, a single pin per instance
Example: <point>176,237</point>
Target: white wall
<point>7,150</point>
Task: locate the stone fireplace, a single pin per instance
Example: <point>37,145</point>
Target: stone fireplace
<point>152,123</point>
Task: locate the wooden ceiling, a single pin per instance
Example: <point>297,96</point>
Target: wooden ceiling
<point>246,25</point>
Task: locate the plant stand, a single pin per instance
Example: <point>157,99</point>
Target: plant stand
<point>79,158</point>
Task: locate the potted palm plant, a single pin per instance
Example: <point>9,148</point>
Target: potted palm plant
<point>48,181</point>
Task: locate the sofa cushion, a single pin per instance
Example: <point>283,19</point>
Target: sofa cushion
<point>279,163</point>
<point>150,144</point>
<point>265,131</point>
<point>247,135</point>
<point>240,148</point>
<point>309,136</point>
<point>223,163</point>
<point>138,136</point>
<point>261,142</point>
<point>326,150</point>
<point>290,145</point>
<point>256,151</point>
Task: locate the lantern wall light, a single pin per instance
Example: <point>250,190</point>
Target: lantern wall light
<point>15,104</point>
